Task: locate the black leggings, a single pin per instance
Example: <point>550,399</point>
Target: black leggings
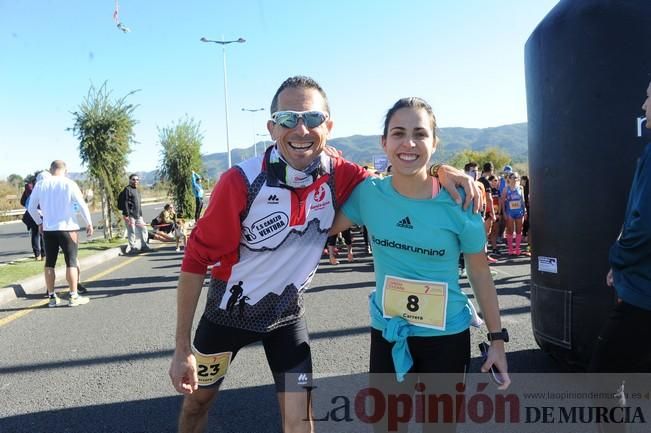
<point>38,245</point>
<point>443,354</point>
<point>198,205</point>
<point>449,354</point>
<point>64,240</point>
<point>287,348</point>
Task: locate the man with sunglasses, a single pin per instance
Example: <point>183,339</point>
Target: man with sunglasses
<point>130,205</point>
<point>263,232</point>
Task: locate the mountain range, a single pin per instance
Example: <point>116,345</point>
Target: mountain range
<point>512,139</point>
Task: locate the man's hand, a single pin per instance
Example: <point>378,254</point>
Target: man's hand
<point>89,230</point>
<point>609,278</point>
<point>610,282</point>
<point>331,151</point>
<point>183,372</point>
<point>451,177</point>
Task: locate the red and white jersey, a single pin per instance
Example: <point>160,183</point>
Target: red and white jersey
<point>265,242</point>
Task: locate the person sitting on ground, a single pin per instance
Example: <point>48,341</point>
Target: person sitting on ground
<point>166,219</point>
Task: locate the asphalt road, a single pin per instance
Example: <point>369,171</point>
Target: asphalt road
<point>102,367</point>
<point>15,239</point>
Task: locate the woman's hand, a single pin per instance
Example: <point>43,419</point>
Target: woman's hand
<point>450,178</point>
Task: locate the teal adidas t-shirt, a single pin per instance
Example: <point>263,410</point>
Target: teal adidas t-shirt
<point>416,240</point>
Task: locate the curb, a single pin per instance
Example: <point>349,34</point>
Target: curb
<point>36,285</point>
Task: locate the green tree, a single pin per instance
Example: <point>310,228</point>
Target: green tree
<point>498,157</point>
<point>180,156</point>
<point>15,180</point>
<point>104,127</point>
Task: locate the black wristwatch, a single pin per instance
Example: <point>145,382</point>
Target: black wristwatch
<point>502,335</point>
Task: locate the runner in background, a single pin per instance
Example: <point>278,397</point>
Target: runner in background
<point>524,181</point>
<point>497,213</point>
<point>514,207</point>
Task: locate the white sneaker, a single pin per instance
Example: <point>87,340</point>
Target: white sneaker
<point>78,300</point>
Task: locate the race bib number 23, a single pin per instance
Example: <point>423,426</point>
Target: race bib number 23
<point>422,303</point>
<point>211,368</point>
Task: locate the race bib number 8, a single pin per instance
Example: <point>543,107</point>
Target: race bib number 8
<point>211,368</point>
<point>422,303</point>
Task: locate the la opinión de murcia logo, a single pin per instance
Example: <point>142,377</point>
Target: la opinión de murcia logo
<point>372,405</point>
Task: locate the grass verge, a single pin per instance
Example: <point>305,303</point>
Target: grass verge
<point>17,271</point>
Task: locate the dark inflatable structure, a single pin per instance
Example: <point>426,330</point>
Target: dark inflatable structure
<point>588,64</point>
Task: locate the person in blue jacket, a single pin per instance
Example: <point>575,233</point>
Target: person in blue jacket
<point>197,190</point>
<point>623,345</point>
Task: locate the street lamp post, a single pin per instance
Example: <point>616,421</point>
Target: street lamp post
<point>250,110</point>
<point>223,43</point>
<point>264,146</point>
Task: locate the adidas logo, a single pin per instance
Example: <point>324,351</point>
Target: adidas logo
<point>273,198</point>
<point>405,223</point>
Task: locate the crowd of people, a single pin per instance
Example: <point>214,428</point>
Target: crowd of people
<point>298,196</point>
<point>51,218</point>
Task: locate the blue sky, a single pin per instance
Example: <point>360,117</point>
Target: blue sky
<point>464,56</point>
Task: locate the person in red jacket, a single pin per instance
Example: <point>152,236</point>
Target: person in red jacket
<point>263,233</point>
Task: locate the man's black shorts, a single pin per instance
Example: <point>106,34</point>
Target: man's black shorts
<point>287,348</point>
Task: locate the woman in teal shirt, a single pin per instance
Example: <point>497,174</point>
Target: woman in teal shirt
<point>420,318</point>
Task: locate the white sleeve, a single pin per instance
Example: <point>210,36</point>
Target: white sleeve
<point>83,207</point>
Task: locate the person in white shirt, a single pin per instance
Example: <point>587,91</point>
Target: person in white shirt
<point>59,199</point>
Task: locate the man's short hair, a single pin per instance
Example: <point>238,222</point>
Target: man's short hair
<point>132,175</point>
<point>488,167</point>
<point>299,82</point>
<point>470,165</point>
<point>57,164</point>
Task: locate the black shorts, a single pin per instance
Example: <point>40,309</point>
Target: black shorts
<point>287,349</point>
<point>442,354</point>
<point>60,239</point>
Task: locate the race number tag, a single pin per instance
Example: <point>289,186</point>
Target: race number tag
<point>514,205</point>
<point>422,303</point>
<point>211,368</point>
